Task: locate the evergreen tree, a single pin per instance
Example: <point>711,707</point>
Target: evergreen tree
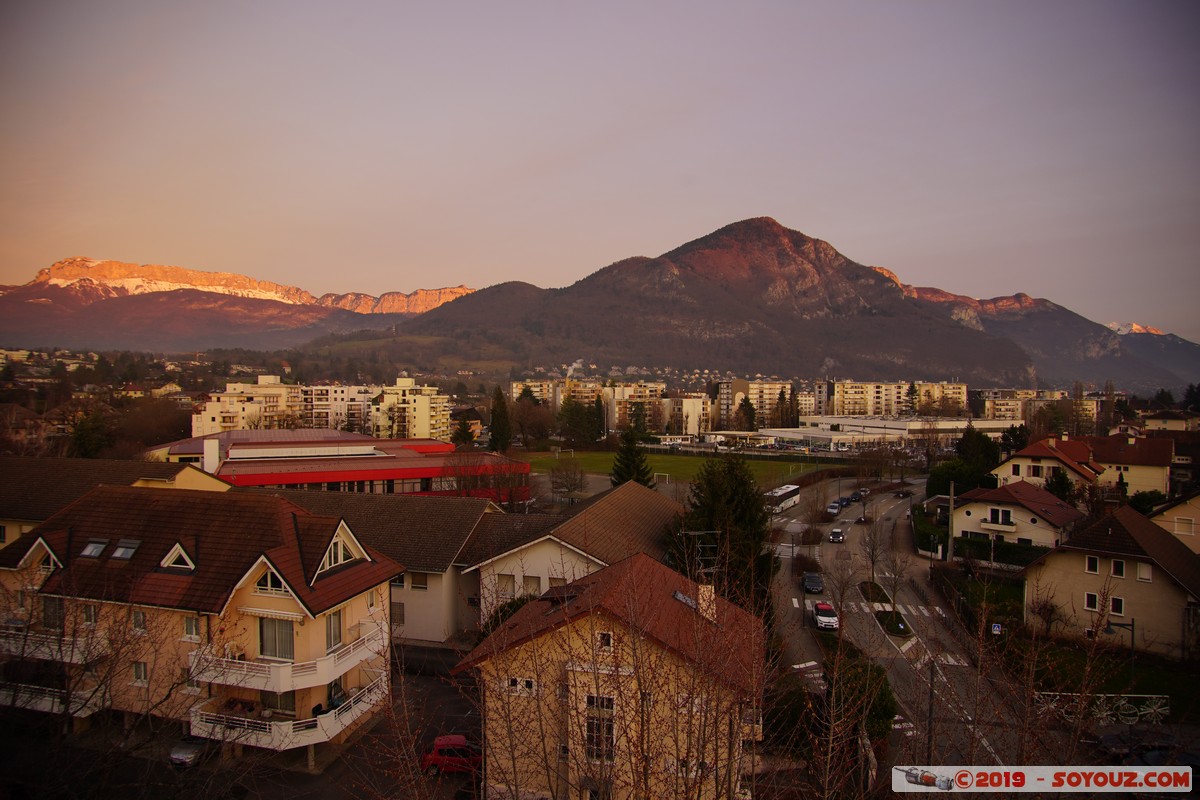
<point>527,394</point>
<point>726,531</point>
<point>501,425</point>
<point>1061,486</point>
<point>599,418</point>
<point>744,417</point>
<point>576,423</point>
<point>637,418</point>
<point>462,436</point>
<point>630,463</point>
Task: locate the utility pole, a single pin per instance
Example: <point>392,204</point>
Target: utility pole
<point>929,719</point>
<point>950,528</point>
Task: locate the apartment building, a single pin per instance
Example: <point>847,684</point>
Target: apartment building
<point>268,403</point>
<point>340,407</point>
<point>254,621</point>
<point>885,399</point>
<point>630,682</point>
<point>409,411</point>
<point>763,395</point>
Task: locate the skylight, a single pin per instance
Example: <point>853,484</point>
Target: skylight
<point>690,602</point>
<point>94,548</point>
<point>126,548</point>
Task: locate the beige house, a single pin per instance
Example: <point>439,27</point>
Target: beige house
<point>1016,512</point>
<point>1180,518</point>
<point>1122,578</point>
<point>1037,462</point>
<point>249,619</point>
<point>518,555</point>
<point>1141,464</point>
<point>34,489</point>
<point>633,682</point>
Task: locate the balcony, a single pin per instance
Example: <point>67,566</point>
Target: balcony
<point>281,676</point>
<point>286,734</point>
<point>53,646</point>
<point>50,700</point>
<point>998,526</point>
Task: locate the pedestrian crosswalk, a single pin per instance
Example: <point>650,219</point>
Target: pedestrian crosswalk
<point>908,609</point>
<point>901,725</point>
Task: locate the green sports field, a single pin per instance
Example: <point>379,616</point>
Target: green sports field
<point>681,468</point>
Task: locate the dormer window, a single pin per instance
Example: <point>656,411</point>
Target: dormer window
<point>270,583</point>
<point>339,552</point>
<point>94,548</point>
<point>177,559</point>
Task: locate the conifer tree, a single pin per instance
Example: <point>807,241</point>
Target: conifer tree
<point>630,463</point>
<point>501,426</point>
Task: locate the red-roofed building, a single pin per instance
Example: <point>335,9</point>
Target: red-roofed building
<point>630,682</point>
<point>1142,464</point>
<point>1015,512</point>
<point>193,605</point>
<point>1037,462</point>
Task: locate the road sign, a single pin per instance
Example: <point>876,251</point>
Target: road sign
<point>996,629</point>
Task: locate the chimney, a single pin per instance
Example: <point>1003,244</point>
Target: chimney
<point>212,455</point>
<point>706,602</point>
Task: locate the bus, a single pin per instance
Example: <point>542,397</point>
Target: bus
<point>781,499</point>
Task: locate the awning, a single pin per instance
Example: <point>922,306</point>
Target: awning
<point>271,613</point>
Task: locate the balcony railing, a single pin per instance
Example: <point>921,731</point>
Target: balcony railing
<point>287,734</point>
<point>279,677</point>
<point>50,700</point>
<point>997,525</point>
<point>53,646</point>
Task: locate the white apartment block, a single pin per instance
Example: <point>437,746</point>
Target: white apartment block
<point>409,411</point>
<point>1017,404</point>
<point>421,412</point>
<point>881,399</point>
<point>763,395</point>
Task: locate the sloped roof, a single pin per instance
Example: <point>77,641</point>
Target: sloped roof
<point>1075,456</point>
<point>1132,450</point>
<point>1183,499</point>
<point>424,533</point>
<point>502,533</point>
<point>1126,532</point>
<point>224,533</point>
<point>644,596</point>
<point>610,526</point>
<point>1029,496</point>
<point>37,488</point>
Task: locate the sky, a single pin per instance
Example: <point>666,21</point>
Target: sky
<point>985,147</point>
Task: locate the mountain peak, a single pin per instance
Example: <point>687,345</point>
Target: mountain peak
<point>1123,328</point>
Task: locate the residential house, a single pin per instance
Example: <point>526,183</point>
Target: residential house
<point>34,489</point>
<point>511,558</point>
<point>1172,421</point>
<point>630,682</point>
<point>1038,461</point>
<point>1180,518</point>
<point>252,620</point>
<point>1120,573</point>
<point>1140,464</point>
<point>1015,512</point>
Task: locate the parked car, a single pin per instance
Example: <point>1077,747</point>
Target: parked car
<point>843,501</point>
<point>903,493</point>
<point>452,753</point>
<point>192,751</point>
<point>855,497</point>
<point>826,617</point>
<point>837,536</point>
<point>833,508</point>
<point>812,583</point>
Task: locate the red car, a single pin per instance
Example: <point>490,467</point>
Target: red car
<point>452,753</point>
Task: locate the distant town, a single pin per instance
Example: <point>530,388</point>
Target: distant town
<point>240,575</point>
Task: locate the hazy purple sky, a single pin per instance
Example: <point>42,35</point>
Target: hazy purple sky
<point>982,147</point>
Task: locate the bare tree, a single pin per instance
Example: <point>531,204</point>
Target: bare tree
<point>567,477</point>
<point>873,545</point>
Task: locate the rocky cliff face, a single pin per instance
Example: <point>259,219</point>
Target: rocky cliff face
<point>417,302</point>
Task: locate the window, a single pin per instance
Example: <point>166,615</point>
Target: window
<point>557,582</point>
<point>91,613</point>
<point>419,582</point>
<point>190,683</point>
<point>604,640</point>
<point>125,549</point>
<point>3,534</point>
<point>397,613</point>
<point>191,629</point>
<point>1035,471</point>
<point>532,584</point>
<point>600,735</point>
<point>1092,564</point>
<point>371,600</point>
<point>285,702</point>
<point>141,673</point>
<point>1091,601</point>
<point>276,638</point>
<point>1185,526</point>
<point>506,586</point>
<point>94,548</point>
<point>1118,606</point>
<point>270,583</point>
<point>1144,571</point>
<point>52,613</point>
<point>333,630</point>
<point>1118,568</point>
<point>521,685</point>
<point>138,621</point>
<point>339,553</point>
<point>398,581</point>
<point>1016,470</point>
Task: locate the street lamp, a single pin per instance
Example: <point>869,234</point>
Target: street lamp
<point>1110,628</point>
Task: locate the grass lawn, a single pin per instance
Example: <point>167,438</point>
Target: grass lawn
<point>893,623</point>
<point>681,468</point>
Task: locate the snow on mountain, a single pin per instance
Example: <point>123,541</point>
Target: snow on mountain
<point>1123,328</point>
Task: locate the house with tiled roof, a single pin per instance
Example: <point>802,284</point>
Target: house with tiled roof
<point>630,682</point>
<point>1172,420</point>
<point>1018,512</point>
<point>511,560</point>
<point>34,489</point>
<point>1141,464</point>
<point>1180,518</point>
<point>1038,461</point>
<point>252,620</point>
<point>1120,574</point>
